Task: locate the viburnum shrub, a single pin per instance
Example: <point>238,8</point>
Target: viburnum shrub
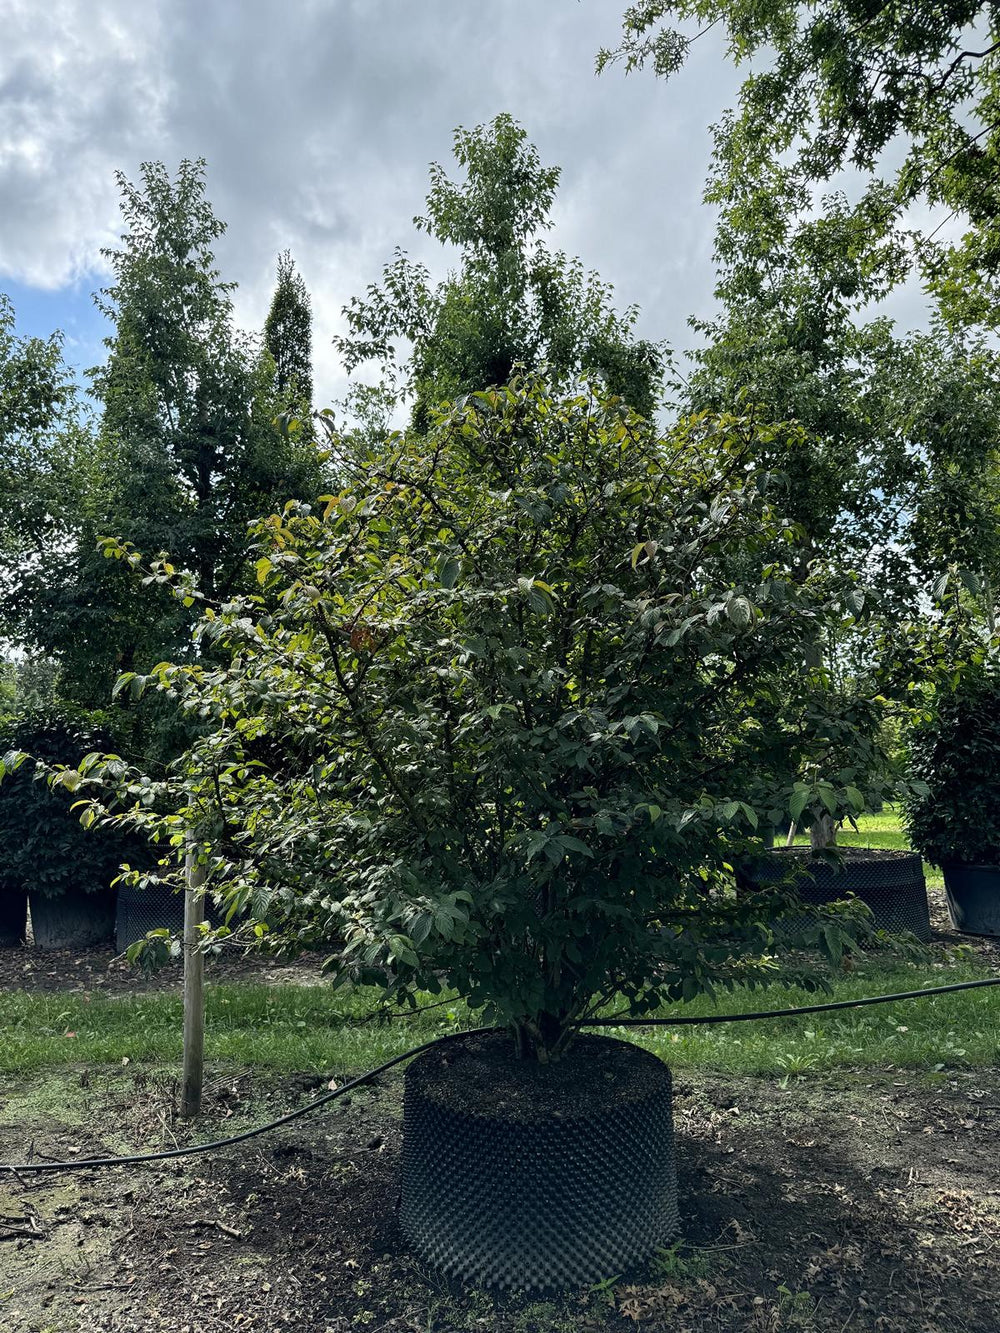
<point>491,719</point>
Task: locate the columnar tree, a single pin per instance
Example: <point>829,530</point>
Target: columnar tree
<point>288,339</point>
<point>189,450</point>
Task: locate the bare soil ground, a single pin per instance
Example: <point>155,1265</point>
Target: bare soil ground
<point>859,1202</point>
<point>839,1205</point>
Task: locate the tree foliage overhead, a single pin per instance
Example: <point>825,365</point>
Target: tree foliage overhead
<point>500,714</point>
<point>511,300</point>
<point>908,94</point>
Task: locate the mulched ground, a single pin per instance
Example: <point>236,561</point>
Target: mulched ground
<point>106,970</point>
<point>837,1205</point>
<point>854,1203</point>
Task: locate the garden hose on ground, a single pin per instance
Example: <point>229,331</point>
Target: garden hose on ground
<point>690,1019</point>
<point>91,1163</point>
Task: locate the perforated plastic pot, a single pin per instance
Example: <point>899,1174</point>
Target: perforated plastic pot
<point>13,917</point>
<point>531,1178</point>
<point>973,894</point>
<point>890,882</point>
<point>73,920</point>
<point>140,910</point>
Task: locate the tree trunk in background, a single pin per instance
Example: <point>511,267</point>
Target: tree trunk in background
<point>823,833</point>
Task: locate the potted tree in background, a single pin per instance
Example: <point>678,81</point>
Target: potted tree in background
<point>45,854</point>
<point>954,818</point>
<point>833,735</point>
<point>490,721</point>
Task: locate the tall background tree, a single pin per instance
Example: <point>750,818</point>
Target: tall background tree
<point>288,339</point>
<point>510,299</point>
<point>906,94</point>
<point>188,450</point>
<point>900,107</point>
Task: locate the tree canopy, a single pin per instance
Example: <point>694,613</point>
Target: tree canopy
<point>908,95</point>
<point>511,299</point>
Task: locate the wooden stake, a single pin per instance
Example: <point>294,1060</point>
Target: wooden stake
<point>194,989</point>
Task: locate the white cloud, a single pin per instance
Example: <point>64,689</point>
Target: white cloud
<point>80,87</point>
<point>318,120</point>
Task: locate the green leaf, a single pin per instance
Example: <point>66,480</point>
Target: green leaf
<point>798,803</point>
<point>828,797</point>
<point>448,572</point>
<point>970,582</point>
<point>856,799</point>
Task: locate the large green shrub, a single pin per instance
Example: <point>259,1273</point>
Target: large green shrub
<point>493,716</point>
<point>42,844</point>
<point>955,759</point>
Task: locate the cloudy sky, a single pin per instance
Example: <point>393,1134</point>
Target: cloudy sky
<point>318,119</point>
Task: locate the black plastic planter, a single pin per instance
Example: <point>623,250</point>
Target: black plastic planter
<point>72,920</point>
<point>523,1177</point>
<point>13,917</point>
<point>891,883</point>
<point>140,910</point>
<point>973,894</point>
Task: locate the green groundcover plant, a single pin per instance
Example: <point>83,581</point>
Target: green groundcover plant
<point>492,716</point>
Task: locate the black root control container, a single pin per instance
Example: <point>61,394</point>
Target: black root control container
<point>890,882</point>
<point>73,920</point>
<point>13,917</point>
<point>523,1177</point>
<point>973,893</point>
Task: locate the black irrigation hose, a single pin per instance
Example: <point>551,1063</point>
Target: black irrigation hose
<point>19,1168</point>
<point>688,1020</point>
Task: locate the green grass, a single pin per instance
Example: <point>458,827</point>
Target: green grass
<point>882,830</point>
<point>295,1028</point>
<point>948,1031</point>
<point>282,1028</point>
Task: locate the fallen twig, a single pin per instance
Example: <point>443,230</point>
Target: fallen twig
<point>214,1222</point>
<point>15,1229</point>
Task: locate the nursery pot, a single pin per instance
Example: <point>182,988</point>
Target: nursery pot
<point>973,894</point>
<point>72,920</point>
<point>526,1177</point>
<point>13,917</point>
<point>158,908</point>
<point>140,910</point>
<point>890,882</point>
